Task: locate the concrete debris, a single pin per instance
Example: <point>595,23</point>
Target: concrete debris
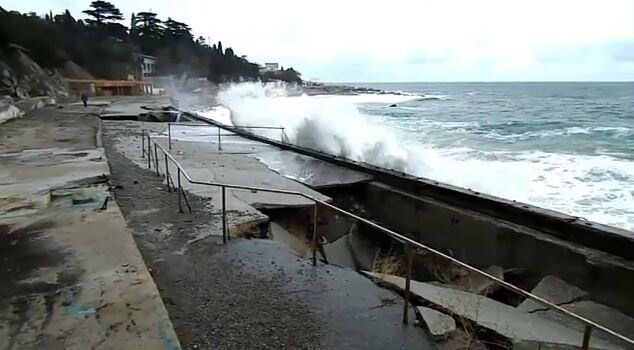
<point>554,290</point>
<point>524,330</point>
<point>575,299</point>
<point>478,284</point>
<point>438,324</point>
<point>364,249</point>
<point>339,252</point>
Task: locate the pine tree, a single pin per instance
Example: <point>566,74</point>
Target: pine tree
<point>103,12</point>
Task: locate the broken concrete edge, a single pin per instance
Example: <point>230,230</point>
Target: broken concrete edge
<point>555,290</point>
<point>523,330</point>
<point>439,325</point>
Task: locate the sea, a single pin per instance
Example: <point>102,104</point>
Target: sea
<point>568,147</point>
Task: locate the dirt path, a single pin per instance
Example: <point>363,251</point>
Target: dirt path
<point>212,303</point>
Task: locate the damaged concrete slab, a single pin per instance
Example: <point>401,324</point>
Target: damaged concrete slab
<point>310,171</point>
<point>438,324</point>
<point>524,330</point>
<point>554,290</point>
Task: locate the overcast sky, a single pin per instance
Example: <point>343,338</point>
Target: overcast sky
<point>416,40</point>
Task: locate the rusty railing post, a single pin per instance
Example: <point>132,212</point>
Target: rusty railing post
<point>586,338</point>
<point>219,145</point>
<point>315,236</point>
<point>142,143</point>
<point>408,277</point>
<point>167,173</point>
<point>180,206</point>
<point>149,153</point>
<point>169,135</point>
<point>224,215</point>
<point>156,161</point>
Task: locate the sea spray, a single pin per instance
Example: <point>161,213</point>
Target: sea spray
<point>331,125</point>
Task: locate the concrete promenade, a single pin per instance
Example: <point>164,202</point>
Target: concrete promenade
<point>72,276</point>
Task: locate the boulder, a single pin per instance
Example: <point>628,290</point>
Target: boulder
<point>525,331</point>
<point>8,110</point>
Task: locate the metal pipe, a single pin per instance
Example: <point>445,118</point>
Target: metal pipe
<point>156,161</point>
<point>180,206</point>
<point>167,173</point>
<point>408,277</point>
<point>169,135</point>
<point>315,236</point>
<point>586,338</point>
<point>224,215</point>
<point>407,240</point>
<point>142,143</point>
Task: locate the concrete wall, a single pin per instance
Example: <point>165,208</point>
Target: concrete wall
<point>483,240</point>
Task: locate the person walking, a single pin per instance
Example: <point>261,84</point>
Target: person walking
<point>84,98</point>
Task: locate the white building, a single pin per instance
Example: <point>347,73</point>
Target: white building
<point>271,67</point>
<point>146,66</point>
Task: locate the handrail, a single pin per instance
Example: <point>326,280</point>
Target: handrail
<point>169,130</point>
<point>399,237</point>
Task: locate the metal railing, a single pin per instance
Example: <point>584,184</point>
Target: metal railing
<point>409,244</point>
<point>283,136</point>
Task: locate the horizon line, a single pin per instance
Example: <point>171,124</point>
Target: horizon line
<point>477,81</point>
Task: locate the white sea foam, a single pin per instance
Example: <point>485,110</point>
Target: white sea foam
<point>598,188</point>
<point>332,124</point>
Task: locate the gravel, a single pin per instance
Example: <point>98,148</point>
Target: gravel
<point>212,303</point>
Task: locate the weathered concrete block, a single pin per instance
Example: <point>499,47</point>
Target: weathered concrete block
<point>554,290</point>
<point>438,324</point>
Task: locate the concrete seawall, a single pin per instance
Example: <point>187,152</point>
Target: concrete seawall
<point>609,239</point>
